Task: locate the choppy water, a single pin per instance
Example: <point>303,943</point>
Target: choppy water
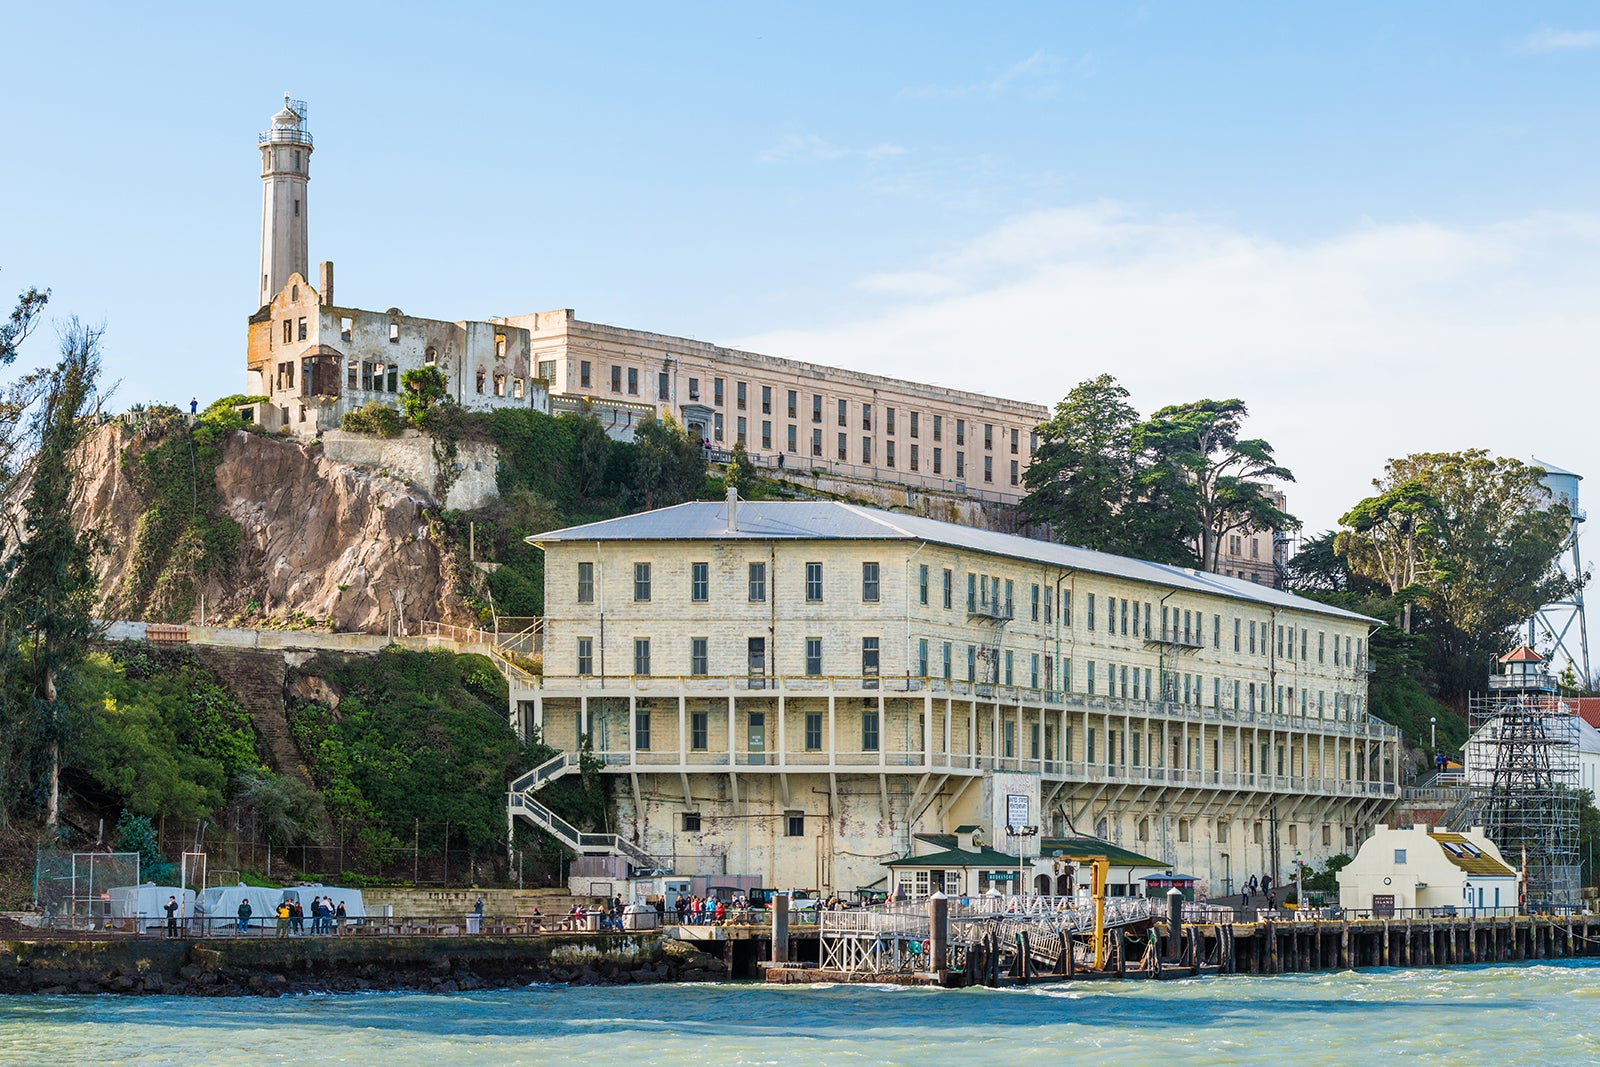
<point>1484,1016</point>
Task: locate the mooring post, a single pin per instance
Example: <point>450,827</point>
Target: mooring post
<point>1272,948</point>
<point>938,932</point>
<point>1344,944</point>
<point>1174,923</point>
<point>780,928</point>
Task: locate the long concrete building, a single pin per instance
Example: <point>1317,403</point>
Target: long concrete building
<point>797,690</point>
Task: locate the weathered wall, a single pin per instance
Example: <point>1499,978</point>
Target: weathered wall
<point>409,456</point>
<point>331,541</point>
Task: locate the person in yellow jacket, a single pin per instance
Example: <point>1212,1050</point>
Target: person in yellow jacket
<point>283,918</point>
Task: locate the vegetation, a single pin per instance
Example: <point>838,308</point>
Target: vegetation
<point>182,540</point>
<point>1156,489</point>
<point>421,388</point>
<point>374,417</point>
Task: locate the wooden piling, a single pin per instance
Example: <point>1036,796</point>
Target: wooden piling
<point>1344,944</point>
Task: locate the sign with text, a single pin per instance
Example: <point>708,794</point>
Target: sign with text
<point>1016,810</point>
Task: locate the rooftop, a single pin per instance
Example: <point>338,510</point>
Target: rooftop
<point>804,520</point>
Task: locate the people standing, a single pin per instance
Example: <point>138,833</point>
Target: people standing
<point>339,915</point>
<point>171,908</point>
<point>283,918</point>
<point>245,911</point>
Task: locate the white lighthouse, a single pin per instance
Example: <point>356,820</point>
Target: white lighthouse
<point>285,170</point>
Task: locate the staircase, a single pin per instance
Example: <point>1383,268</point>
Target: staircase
<point>520,802</point>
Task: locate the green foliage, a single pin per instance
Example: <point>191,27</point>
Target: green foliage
<point>183,539</point>
<point>1151,489</point>
<point>1588,838</point>
<point>1471,540</point>
<point>421,388</point>
<point>224,413</point>
<point>159,731</point>
<point>135,833</point>
<point>374,417</point>
<point>417,736</point>
<point>1325,880</point>
<point>24,316</point>
<point>47,584</point>
<point>741,474</point>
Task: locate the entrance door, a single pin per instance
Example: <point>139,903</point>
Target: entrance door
<point>756,737</point>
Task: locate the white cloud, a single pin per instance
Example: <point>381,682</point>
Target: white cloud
<point>1032,74</point>
<point>810,146</point>
<point>1376,342</point>
<point>1546,39</point>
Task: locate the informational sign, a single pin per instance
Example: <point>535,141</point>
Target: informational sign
<point>1002,876</point>
<point>1016,810</point>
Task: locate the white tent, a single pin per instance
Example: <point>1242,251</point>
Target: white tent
<point>222,902</point>
<point>148,903</point>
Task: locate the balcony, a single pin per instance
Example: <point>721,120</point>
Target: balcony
<point>1522,683</point>
<point>1175,638</point>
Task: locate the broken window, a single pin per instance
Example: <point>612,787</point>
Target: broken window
<point>288,330</point>
<point>302,328</point>
<point>499,346</point>
<point>344,328</point>
<point>394,378</point>
<point>351,370</point>
<point>394,333</point>
<point>499,385</point>
<point>481,376</point>
<point>430,357</point>
<point>516,388</point>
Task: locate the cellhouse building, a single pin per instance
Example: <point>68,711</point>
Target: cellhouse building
<point>806,691</point>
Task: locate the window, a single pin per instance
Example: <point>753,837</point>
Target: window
<point>888,453</point>
<point>816,407</point>
<point>1216,631</point>
<point>1399,856</point>
<point>352,374</point>
<point>766,434</point>
<point>922,584</point>
<point>794,399</point>
<point>988,468</point>
<point>499,385</point>
<point>394,333</point>
<point>641,581</point>
<point>869,583</point>
<point>888,421</point>
<point>914,465</point>
<point>922,657</point>
<point>699,733</point>
<point>866,450</point>
<point>288,331</point>
<point>814,656</point>
<point>302,329</point>
<point>662,383</point>
<point>844,413</point>
<point>1236,635</point>
<point>844,447</point>
<point>616,379</point>
<point>585,655</point>
<point>938,461</point>
<point>869,662</point>
<point>794,439</point>
<point>700,582</point>
<point>1034,608</point>
<point>816,442</point>
<point>813,731</point>
<point>938,427</point>
<point>716,391</point>
<point>716,425</point>
<point>758,582</point>
<point>949,579</point>
<point>691,822</point>
<point>694,388</point>
<point>641,655</point>
<point>972,593</point>
<point>961,464</point>
<point>1014,446</point>
<point>988,435</point>
<point>813,583</point>
<point>1088,611</point>
<point>739,394</point>
<point>756,656</point>
<point>869,731</point>
<point>740,433</point>
<point>915,418</point>
<point>698,664</point>
<point>946,661</point>
<point>794,824</point>
<point>641,731</point>
<point>516,388</point>
<point>586,583</point>
<point>1016,474</point>
<point>766,400</point>
<point>866,416</point>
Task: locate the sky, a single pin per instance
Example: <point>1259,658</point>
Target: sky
<point>1378,225</point>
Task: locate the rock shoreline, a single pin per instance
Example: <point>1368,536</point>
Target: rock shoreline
<point>270,967</point>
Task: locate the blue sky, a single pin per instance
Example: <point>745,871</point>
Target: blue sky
<point>1376,226</point>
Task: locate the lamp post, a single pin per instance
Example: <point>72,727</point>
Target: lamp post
<point>1021,833</point>
<point>1433,738</point>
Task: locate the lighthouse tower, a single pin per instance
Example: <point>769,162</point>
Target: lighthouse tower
<point>285,170</point>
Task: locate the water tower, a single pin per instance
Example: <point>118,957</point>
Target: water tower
<point>1563,621</point>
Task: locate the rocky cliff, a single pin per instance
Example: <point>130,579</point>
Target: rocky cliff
<point>293,537</point>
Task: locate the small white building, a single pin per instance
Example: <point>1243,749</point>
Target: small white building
<point>1432,868</point>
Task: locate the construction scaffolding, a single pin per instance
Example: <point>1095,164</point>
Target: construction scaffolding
<point>1522,788</point>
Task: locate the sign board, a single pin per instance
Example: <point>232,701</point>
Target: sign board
<point>1383,905</point>
<point>1002,876</point>
<point>1017,810</point>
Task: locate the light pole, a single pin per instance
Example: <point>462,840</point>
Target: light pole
<point>1433,738</point>
<point>1021,833</point>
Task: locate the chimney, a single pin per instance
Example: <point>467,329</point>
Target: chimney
<point>325,282</point>
<point>733,509</point>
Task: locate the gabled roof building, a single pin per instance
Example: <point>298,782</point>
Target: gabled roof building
<point>799,689</point>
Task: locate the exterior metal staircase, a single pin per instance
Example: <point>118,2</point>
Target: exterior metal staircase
<point>520,802</point>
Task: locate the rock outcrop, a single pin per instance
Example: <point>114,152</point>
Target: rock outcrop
<point>322,543</point>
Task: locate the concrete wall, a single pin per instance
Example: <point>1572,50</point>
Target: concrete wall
<point>410,456</point>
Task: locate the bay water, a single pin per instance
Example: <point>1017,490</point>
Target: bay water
<point>1494,1016</point>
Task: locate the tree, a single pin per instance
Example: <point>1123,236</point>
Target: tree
<point>740,474</point>
<point>1083,477</point>
<point>421,389</point>
<point>47,585</point>
<point>1223,475</point>
<point>1480,552</point>
<point>21,323</point>
<point>669,467</point>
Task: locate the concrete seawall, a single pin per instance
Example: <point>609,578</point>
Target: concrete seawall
<point>272,966</point>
